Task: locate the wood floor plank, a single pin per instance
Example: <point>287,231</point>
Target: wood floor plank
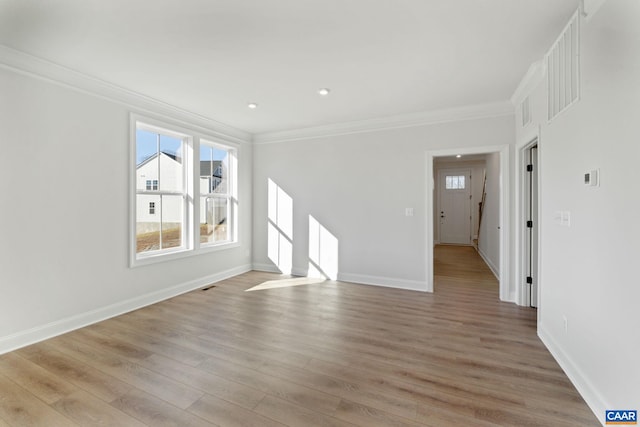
<point>174,392</point>
<point>363,415</point>
<point>80,374</point>
<point>19,407</point>
<point>215,385</point>
<point>226,414</point>
<point>151,343</point>
<point>345,389</point>
<point>325,353</point>
<point>283,388</point>
<point>294,415</point>
<point>155,412</point>
<point>87,410</point>
<point>37,380</point>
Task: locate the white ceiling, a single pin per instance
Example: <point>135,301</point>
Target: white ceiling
<point>211,57</point>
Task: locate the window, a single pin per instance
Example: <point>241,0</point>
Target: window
<point>160,165</point>
<point>166,217</point>
<point>454,182</point>
<point>216,202</point>
<point>151,184</point>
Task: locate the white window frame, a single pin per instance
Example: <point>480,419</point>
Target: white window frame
<point>190,226</point>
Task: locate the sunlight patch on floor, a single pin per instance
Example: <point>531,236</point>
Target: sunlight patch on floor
<point>286,283</point>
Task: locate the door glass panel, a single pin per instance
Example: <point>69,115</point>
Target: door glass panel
<point>455,182</point>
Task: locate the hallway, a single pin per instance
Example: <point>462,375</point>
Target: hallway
<point>462,267</point>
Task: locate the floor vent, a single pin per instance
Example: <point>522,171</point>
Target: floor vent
<point>563,69</point>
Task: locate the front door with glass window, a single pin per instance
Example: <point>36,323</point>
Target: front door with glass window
<point>454,207</point>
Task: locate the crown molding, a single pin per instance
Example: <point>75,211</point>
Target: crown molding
<point>471,112</point>
<point>535,74</point>
<point>42,69</point>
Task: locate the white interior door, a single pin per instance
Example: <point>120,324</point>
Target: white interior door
<point>454,212</point>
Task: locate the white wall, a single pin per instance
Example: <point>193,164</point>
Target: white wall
<point>589,273</point>
<point>489,240</point>
<point>358,186</point>
<point>64,219</point>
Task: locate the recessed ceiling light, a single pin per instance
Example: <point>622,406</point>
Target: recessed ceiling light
<point>252,105</point>
<point>324,91</point>
<point>459,155</point>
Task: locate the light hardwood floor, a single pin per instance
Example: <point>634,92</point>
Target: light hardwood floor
<point>323,354</point>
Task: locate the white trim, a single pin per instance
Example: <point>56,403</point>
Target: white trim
<point>42,69</point>
<point>59,327</point>
<point>471,112</point>
<point>535,75</point>
<point>504,220</point>
<point>271,268</point>
<point>388,282</point>
<point>487,261</point>
<point>532,134</point>
<point>596,402</point>
<point>362,279</point>
<point>267,268</point>
<point>301,272</point>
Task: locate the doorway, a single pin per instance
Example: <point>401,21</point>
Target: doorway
<point>502,223</point>
<point>454,206</point>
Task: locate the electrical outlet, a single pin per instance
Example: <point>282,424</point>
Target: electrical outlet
<point>408,211</point>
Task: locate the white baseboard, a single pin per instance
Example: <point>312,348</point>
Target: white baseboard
<point>389,282</point>
<point>580,381</point>
<point>362,279</point>
<point>493,268</point>
<point>268,268</point>
<point>271,268</point>
<point>302,272</point>
<point>50,330</point>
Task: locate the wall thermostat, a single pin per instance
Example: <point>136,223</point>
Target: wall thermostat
<point>591,178</point>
